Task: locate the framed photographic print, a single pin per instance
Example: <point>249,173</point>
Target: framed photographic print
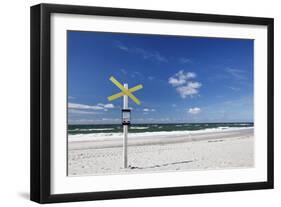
<point>133,103</point>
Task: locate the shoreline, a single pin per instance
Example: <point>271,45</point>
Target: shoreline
<point>137,139</point>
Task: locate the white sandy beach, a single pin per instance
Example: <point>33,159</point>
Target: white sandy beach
<point>147,152</point>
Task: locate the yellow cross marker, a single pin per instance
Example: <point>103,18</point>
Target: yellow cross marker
<point>124,91</point>
<point>117,95</point>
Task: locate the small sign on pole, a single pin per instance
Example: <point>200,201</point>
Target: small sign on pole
<point>126,112</point>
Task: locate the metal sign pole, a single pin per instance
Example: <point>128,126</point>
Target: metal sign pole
<point>125,129</point>
<point>125,92</point>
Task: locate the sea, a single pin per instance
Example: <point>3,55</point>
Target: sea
<point>111,129</point>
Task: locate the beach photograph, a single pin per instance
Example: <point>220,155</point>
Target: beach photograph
<point>148,103</point>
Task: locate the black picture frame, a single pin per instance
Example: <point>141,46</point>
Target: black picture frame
<point>40,184</point>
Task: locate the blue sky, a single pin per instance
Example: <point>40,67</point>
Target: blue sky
<point>185,79</point>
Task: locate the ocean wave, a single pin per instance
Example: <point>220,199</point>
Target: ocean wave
<point>102,129</point>
<point>222,128</point>
<point>73,130</point>
<point>244,124</point>
<point>86,130</point>
<point>139,127</point>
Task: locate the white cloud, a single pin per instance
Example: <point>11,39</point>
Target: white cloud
<point>234,88</point>
<point>136,74</point>
<point>148,110</point>
<point>121,46</point>
<point>79,121</point>
<point>181,78</point>
<point>184,60</point>
<point>94,121</point>
<point>184,86</point>
<point>237,74</point>
<point>194,110</point>
<point>145,54</point>
<point>190,89</point>
<point>83,106</point>
<point>107,106</point>
<point>111,119</point>
<point>99,106</point>
<point>75,111</point>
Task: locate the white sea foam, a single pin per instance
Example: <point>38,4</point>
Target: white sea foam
<point>102,129</point>
<point>86,130</point>
<point>139,127</point>
<point>242,124</point>
<point>119,135</point>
